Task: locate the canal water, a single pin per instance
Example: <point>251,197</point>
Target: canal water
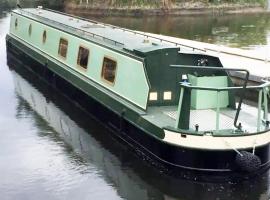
<point>246,31</point>
<point>50,149</point>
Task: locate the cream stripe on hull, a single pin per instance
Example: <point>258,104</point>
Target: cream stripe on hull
<point>209,142</point>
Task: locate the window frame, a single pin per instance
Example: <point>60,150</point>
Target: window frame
<point>115,74</point>
<point>63,57</point>
<point>80,66</point>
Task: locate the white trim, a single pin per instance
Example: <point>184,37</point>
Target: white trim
<point>209,142</point>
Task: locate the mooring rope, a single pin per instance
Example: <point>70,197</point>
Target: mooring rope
<point>254,145</point>
<point>233,148</point>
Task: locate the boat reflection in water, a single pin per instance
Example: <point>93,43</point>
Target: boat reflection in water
<point>119,167</point>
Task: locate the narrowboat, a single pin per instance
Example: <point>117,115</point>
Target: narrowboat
<point>173,103</point>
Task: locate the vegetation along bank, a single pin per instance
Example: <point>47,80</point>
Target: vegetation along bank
<point>162,7</point>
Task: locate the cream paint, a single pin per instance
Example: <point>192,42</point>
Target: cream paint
<point>209,142</point>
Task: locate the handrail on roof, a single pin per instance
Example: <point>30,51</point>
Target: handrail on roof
<point>76,29</point>
<point>130,31</point>
<point>157,38</point>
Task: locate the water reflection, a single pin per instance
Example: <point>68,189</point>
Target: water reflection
<point>250,31</point>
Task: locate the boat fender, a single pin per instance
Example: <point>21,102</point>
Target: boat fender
<point>247,161</point>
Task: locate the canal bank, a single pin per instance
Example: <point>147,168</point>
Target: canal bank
<point>186,8</point>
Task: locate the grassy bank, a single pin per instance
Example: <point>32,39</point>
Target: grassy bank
<point>166,4</point>
<point>157,7</point>
<point>10,4</point>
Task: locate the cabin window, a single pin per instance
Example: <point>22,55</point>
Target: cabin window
<point>83,56</point>
<point>153,96</point>
<point>44,36</point>
<point>63,47</point>
<point>30,30</point>
<point>167,95</point>
<point>16,23</point>
<point>109,69</point>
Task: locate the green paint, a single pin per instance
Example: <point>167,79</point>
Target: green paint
<point>109,100</point>
<point>184,116</point>
<point>208,99</point>
<point>217,111</point>
<point>259,111</point>
<point>141,68</point>
<point>130,72</point>
<point>265,105</point>
<point>179,108</point>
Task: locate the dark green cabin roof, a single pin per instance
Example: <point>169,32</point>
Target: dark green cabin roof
<point>119,38</point>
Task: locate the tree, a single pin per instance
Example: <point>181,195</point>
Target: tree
<point>167,3</point>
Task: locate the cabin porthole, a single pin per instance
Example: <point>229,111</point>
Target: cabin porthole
<point>16,23</point>
<point>44,37</point>
<point>30,30</point>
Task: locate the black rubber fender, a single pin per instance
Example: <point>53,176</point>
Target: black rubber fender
<point>247,161</point>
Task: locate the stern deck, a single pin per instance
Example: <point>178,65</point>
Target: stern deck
<point>165,116</point>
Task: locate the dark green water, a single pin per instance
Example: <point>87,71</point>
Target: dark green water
<point>50,149</point>
<point>249,31</point>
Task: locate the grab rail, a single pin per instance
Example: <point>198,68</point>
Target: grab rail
<point>87,33</point>
<point>130,31</point>
<point>224,70</point>
<point>263,90</point>
<point>108,25</point>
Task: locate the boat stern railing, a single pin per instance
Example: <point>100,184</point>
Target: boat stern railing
<point>186,88</point>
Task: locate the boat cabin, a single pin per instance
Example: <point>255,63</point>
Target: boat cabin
<point>140,71</point>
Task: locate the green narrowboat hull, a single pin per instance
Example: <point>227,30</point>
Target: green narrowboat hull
<point>139,99</point>
<point>131,127</point>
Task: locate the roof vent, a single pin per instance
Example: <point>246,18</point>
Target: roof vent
<point>40,7</point>
<point>146,41</point>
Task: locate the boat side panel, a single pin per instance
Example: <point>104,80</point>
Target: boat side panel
<point>129,130</point>
<point>131,82</point>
